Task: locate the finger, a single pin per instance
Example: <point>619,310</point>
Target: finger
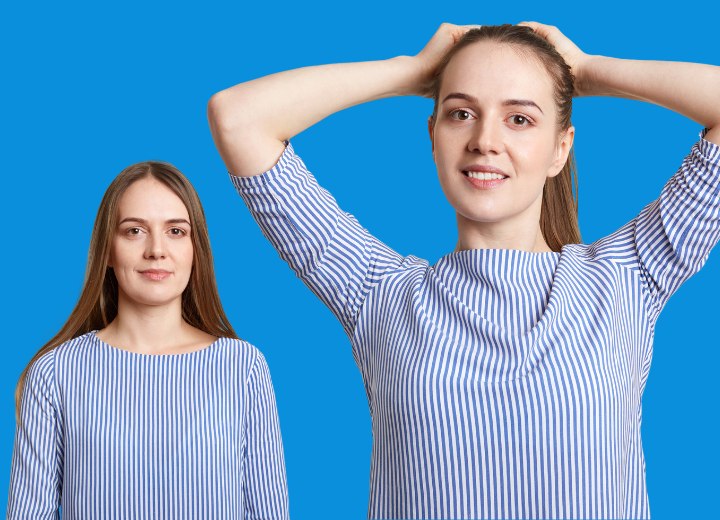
<point>548,32</point>
<point>453,28</point>
<point>538,27</point>
<point>460,30</point>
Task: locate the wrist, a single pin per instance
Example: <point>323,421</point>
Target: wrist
<point>587,78</point>
<point>413,79</point>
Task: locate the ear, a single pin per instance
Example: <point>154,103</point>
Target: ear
<point>431,126</point>
<point>562,150</point>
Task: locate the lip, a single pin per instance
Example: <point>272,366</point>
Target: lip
<point>155,274</point>
<point>483,168</point>
<point>484,184</point>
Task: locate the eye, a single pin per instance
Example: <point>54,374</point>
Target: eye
<point>177,232</point>
<point>133,231</point>
<point>460,115</point>
<point>520,120</point>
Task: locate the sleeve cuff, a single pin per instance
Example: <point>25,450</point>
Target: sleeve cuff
<point>707,148</point>
<point>246,183</point>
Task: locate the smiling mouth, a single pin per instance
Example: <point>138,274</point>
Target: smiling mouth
<point>482,176</point>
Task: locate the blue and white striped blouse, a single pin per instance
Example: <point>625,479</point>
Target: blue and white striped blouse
<point>502,383</point>
<point>111,434</point>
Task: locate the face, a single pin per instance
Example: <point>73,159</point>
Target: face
<point>495,138</point>
<point>152,252</point>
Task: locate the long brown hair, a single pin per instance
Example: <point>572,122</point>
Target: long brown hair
<point>559,212</point>
<point>98,302</point>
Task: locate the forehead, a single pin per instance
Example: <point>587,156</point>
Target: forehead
<point>148,198</point>
<point>492,71</point>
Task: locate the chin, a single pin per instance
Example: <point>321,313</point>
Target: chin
<point>488,214</point>
<point>155,303</point>
<point>153,298</point>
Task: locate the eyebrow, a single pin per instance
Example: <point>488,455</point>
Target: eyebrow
<point>143,221</point>
<point>506,103</point>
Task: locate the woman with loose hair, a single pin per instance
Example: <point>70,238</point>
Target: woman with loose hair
<point>505,380</point>
<point>146,404</point>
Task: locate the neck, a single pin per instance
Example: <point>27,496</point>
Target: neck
<point>147,328</point>
<point>519,233</point>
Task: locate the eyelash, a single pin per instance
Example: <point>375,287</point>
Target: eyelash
<point>182,232</point>
<point>527,119</point>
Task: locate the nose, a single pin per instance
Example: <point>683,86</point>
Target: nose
<point>155,246</point>
<point>486,137</point>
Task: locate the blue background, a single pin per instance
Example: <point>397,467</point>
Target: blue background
<point>88,90</point>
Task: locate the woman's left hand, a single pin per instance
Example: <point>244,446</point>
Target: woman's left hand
<point>570,52</point>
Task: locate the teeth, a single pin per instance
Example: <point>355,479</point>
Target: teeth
<point>484,176</point>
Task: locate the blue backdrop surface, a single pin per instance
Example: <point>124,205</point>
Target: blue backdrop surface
<point>90,88</point>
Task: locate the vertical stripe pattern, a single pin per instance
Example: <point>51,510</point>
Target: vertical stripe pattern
<point>108,433</point>
<point>501,383</point>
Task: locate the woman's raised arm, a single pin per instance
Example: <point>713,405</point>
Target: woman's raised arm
<point>671,238</point>
<point>250,121</point>
<point>690,89</point>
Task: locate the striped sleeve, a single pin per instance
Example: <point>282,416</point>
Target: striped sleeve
<point>328,249</point>
<point>36,475</point>
<point>264,486</point>
<point>672,237</point>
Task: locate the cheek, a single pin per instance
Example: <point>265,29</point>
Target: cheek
<point>124,254</point>
<point>186,255</point>
<point>535,154</point>
<point>446,153</point>
<point>116,255</point>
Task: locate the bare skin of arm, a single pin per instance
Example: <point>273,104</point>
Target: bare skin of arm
<point>690,89</point>
<point>250,121</point>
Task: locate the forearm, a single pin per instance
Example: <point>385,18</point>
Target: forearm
<point>691,89</point>
<point>250,121</point>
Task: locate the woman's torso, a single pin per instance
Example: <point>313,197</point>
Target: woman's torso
<point>148,436</point>
<point>506,384</point>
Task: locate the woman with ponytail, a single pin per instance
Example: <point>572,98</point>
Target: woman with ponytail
<point>505,380</point>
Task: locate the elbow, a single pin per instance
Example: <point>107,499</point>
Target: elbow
<point>219,114</point>
<point>230,114</point>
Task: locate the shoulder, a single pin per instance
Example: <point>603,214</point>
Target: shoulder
<point>235,346</point>
<point>239,351</point>
<point>40,384</point>
<point>411,267</point>
<point>250,361</point>
<point>42,370</point>
<point>49,359</point>
<point>74,351</point>
<point>607,262</point>
<point>586,254</point>
<point>78,343</point>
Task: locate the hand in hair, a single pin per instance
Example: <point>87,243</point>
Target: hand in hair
<point>570,52</point>
<point>432,54</point>
<point>250,121</point>
<point>689,89</point>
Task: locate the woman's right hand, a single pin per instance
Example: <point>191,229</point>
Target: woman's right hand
<point>434,51</point>
<point>250,121</point>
